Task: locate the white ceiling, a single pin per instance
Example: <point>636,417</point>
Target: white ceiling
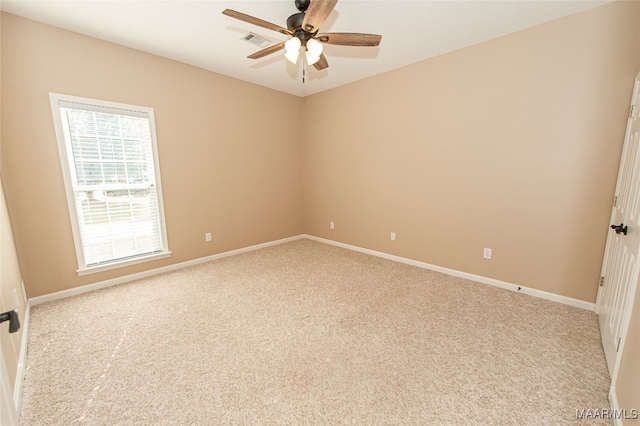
<point>196,32</point>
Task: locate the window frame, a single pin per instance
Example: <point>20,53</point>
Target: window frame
<point>59,101</point>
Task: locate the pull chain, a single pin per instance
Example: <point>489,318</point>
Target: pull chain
<point>303,71</point>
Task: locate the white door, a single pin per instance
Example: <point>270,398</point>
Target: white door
<point>621,266</point>
<point>12,345</point>
<point>8,412</point>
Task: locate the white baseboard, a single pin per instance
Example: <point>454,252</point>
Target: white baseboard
<point>613,400</point>
<point>121,280</point>
<point>478,278</point>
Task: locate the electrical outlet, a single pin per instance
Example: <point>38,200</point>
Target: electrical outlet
<point>332,225</point>
<point>207,236</point>
<point>393,236</point>
<point>486,253</point>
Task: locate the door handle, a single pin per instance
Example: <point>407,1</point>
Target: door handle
<point>12,317</point>
<point>620,229</point>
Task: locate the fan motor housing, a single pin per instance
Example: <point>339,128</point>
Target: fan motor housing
<point>294,22</point>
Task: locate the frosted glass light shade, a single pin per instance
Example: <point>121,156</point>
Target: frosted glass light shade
<point>311,59</point>
<point>292,49</point>
<point>314,47</point>
<point>292,56</point>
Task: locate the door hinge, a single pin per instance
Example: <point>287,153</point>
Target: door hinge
<point>615,201</point>
<point>633,108</point>
<point>618,347</point>
<point>601,281</point>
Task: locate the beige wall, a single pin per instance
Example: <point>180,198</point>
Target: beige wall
<point>513,144</point>
<point>229,166</point>
<point>11,290</point>
<point>628,382</point>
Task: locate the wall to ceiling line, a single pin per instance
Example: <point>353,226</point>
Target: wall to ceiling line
<point>512,144</point>
<point>229,164</point>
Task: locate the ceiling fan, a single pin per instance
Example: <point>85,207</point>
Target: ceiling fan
<point>303,28</point>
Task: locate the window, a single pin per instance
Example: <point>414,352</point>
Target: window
<point>110,165</point>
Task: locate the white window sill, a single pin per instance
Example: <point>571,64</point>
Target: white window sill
<point>116,265</point>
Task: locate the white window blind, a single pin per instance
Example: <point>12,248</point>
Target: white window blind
<point>109,159</point>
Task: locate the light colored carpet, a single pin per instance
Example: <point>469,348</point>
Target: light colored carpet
<point>308,333</point>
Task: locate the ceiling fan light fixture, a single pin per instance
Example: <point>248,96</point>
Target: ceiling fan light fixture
<point>303,29</point>
<point>311,58</point>
<point>314,47</point>
<point>292,49</point>
<point>292,56</point>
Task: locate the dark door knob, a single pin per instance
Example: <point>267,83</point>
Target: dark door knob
<point>12,317</point>
<point>620,229</point>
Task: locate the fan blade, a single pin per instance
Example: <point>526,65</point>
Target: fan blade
<point>267,51</point>
<point>318,11</point>
<point>322,63</point>
<point>350,39</point>
<point>256,21</point>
